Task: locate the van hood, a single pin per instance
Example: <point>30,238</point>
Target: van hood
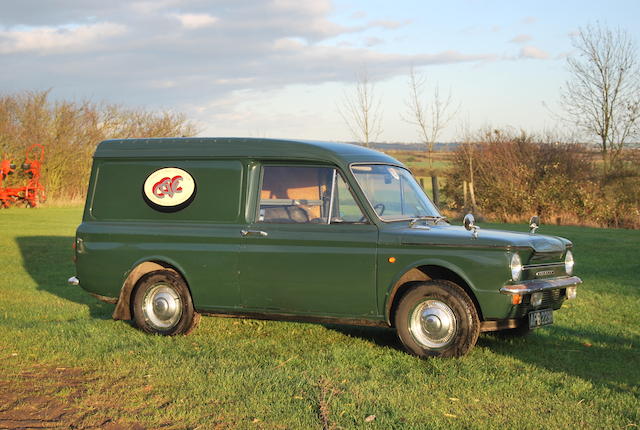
<point>459,236</point>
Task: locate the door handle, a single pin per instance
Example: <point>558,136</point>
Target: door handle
<point>254,233</point>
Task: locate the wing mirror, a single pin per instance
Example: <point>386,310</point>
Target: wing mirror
<point>534,224</point>
<point>469,224</point>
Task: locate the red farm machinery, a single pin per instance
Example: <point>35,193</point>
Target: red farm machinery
<point>33,192</point>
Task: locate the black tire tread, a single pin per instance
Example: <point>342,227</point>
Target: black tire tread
<point>461,304</point>
<point>189,318</point>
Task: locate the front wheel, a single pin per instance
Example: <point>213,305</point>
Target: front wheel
<point>162,304</point>
<point>437,319</point>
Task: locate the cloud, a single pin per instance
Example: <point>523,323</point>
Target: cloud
<point>388,24</point>
<point>373,41</point>
<point>186,53</point>
<point>195,20</point>
<point>521,38</point>
<point>529,20</point>
<point>533,52</point>
<point>51,40</point>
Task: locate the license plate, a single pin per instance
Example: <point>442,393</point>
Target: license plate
<point>540,318</point>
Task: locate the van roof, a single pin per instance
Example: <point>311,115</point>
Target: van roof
<point>234,147</point>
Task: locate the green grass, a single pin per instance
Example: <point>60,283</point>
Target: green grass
<point>582,372</point>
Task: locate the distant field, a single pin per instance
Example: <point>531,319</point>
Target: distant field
<point>418,162</point>
<point>64,363</point>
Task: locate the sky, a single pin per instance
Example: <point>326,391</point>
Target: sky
<point>282,68</point>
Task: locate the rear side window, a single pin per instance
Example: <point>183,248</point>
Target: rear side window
<point>119,190</point>
<point>306,194</point>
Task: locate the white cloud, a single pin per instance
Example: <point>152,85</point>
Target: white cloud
<point>521,38</point>
<point>145,52</point>
<point>195,20</point>
<point>533,52</point>
<point>373,41</point>
<point>388,24</point>
<point>52,40</point>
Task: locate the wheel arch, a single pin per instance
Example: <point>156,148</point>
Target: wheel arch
<point>422,272</point>
<point>122,310</point>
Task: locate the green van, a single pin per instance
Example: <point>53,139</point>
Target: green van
<point>307,231</point>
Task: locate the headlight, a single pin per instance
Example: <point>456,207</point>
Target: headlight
<point>516,267</point>
<point>568,263</point>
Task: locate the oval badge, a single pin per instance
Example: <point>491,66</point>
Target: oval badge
<point>169,189</point>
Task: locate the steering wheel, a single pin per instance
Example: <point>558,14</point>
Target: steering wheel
<point>378,208</point>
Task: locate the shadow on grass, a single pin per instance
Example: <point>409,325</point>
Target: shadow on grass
<point>606,361</point>
<point>385,337</point>
<point>48,260</point>
<point>603,360</point>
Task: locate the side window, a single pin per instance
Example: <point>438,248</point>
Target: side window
<point>346,210</point>
<point>297,194</point>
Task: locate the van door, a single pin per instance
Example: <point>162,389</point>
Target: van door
<point>309,250</point>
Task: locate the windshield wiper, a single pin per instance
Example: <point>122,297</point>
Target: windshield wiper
<point>435,218</point>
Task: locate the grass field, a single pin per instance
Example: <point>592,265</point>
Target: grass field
<point>64,363</point>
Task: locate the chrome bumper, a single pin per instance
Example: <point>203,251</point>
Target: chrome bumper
<point>527,287</point>
<point>73,281</point>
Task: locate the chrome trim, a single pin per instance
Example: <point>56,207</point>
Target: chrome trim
<point>527,287</point>
<point>260,233</point>
<point>333,190</point>
<point>467,245</point>
<point>433,324</point>
<point>414,224</point>
<point>545,273</point>
<point>469,224</point>
<point>542,266</point>
<point>73,281</point>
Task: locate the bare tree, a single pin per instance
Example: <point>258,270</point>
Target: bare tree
<point>602,96</point>
<point>429,118</point>
<point>361,110</point>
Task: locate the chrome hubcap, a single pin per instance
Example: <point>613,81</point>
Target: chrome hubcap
<point>433,324</point>
<point>161,306</point>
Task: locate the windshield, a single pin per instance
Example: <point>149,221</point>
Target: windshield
<point>393,192</point>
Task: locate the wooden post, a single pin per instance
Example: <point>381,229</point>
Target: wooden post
<point>472,194</point>
<point>464,196</point>
<point>436,190</point>
<point>421,183</point>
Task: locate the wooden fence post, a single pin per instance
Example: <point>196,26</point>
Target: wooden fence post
<point>436,190</point>
<point>464,196</point>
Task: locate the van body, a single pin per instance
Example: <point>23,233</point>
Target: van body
<point>310,231</point>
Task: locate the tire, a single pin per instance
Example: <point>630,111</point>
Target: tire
<point>162,304</point>
<point>437,319</point>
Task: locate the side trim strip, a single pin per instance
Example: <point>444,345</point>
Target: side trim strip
<point>112,300</point>
<point>298,318</point>
<point>441,245</point>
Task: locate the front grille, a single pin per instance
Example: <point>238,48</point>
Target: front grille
<point>551,299</point>
<point>547,270</point>
<point>545,257</point>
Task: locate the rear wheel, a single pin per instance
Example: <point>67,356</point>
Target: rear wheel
<point>162,304</point>
<point>437,319</point>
